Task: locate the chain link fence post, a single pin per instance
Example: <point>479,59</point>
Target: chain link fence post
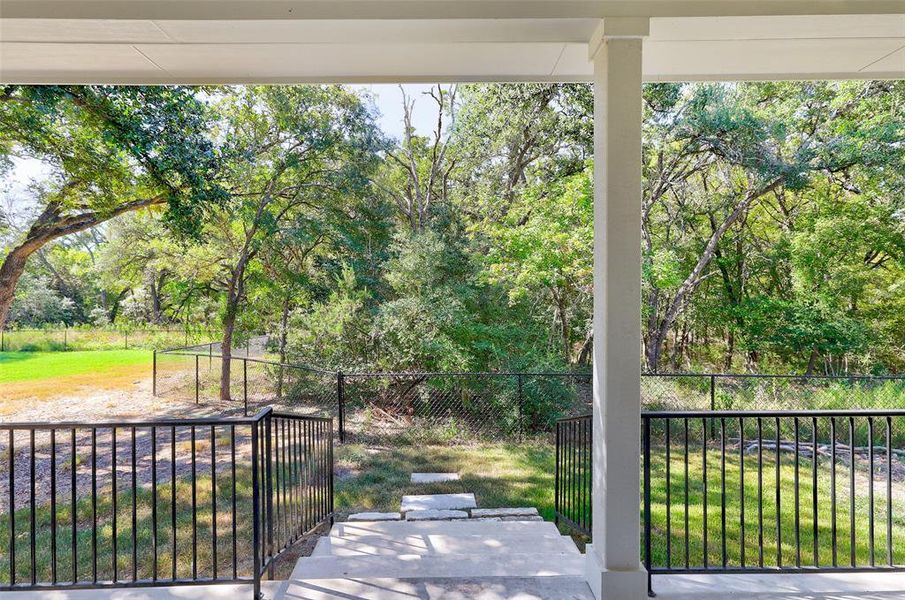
<point>197,380</point>
<point>154,378</point>
<point>341,405</point>
<point>245,385</point>
<point>712,405</point>
<point>521,408</point>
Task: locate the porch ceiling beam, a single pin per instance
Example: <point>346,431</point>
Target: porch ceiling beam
<point>362,50</point>
<point>429,9</point>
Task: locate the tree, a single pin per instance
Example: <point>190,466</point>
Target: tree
<point>542,251</point>
<point>296,155</point>
<point>113,150</point>
<point>417,173</point>
<point>717,151</point>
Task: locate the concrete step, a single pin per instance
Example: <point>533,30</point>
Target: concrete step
<point>414,566</point>
<point>477,588</point>
<point>434,477</point>
<point>375,516</point>
<point>528,511</point>
<point>322,547</point>
<point>443,544</point>
<point>462,527</point>
<point>435,515</point>
<point>438,502</point>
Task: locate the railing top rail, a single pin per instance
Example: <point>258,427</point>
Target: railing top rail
<point>575,418</point>
<point>726,414</point>
<point>284,415</point>
<point>143,423</point>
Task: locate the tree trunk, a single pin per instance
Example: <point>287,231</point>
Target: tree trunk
<point>234,295</point>
<point>157,297</point>
<point>284,334</point>
<point>155,303</point>
<point>653,350</point>
<point>10,271</point>
<point>812,362</point>
<point>697,274</point>
<point>229,325</point>
<point>730,351</point>
<point>117,303</point>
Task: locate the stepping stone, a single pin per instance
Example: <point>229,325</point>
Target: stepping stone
<point>375,516</point>
<point>528,511</point>
<point>435,515</point>
<point>434,477</point>
<point>534,518</point>
<point>438,502</point>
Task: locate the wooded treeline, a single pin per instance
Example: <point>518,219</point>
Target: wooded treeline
<point>773,231</point>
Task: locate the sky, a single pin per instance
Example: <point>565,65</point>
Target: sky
<point>387,98</point>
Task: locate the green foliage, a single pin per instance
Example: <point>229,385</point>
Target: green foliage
<point>37,303</point>
<point>791,330</point>
<point>110,143</point>
<point>773,223</point>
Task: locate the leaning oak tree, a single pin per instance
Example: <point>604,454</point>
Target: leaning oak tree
<point>111,150</point>
<point>714,153</point>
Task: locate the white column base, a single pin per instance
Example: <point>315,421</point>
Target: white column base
<point>614,585</point>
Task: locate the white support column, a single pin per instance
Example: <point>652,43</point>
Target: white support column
<point>614,569</point>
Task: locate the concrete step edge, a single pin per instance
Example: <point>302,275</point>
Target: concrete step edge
<point>413,566</point>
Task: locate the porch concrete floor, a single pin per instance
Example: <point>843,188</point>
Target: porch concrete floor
<point>811,586</point>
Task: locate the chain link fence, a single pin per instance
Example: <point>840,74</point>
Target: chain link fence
<point>460,407</point>
<point>439,407</point>
<point>770,392</point>
<point>254,383</point>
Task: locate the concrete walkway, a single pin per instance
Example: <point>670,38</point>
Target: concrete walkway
<point>809,586</point>
<point>805,586</point>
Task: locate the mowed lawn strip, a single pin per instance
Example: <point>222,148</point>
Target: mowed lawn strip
<point>31,366</point>
<point>26,377</point>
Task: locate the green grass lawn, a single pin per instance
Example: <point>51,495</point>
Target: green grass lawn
<point>738,540</point>
<point>29,377</point>
<point>31,366</point>
<point>499,474</point>
<point>511,474</point>
<point>143,535</point>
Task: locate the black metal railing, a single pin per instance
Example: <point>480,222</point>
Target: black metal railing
<point>572,493</point>
<point>774,491</point>
<point>142,503</point>
<point>770,492</point>
<point>298,453</point>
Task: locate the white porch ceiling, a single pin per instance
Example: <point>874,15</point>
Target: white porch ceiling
<point>42,42</point>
